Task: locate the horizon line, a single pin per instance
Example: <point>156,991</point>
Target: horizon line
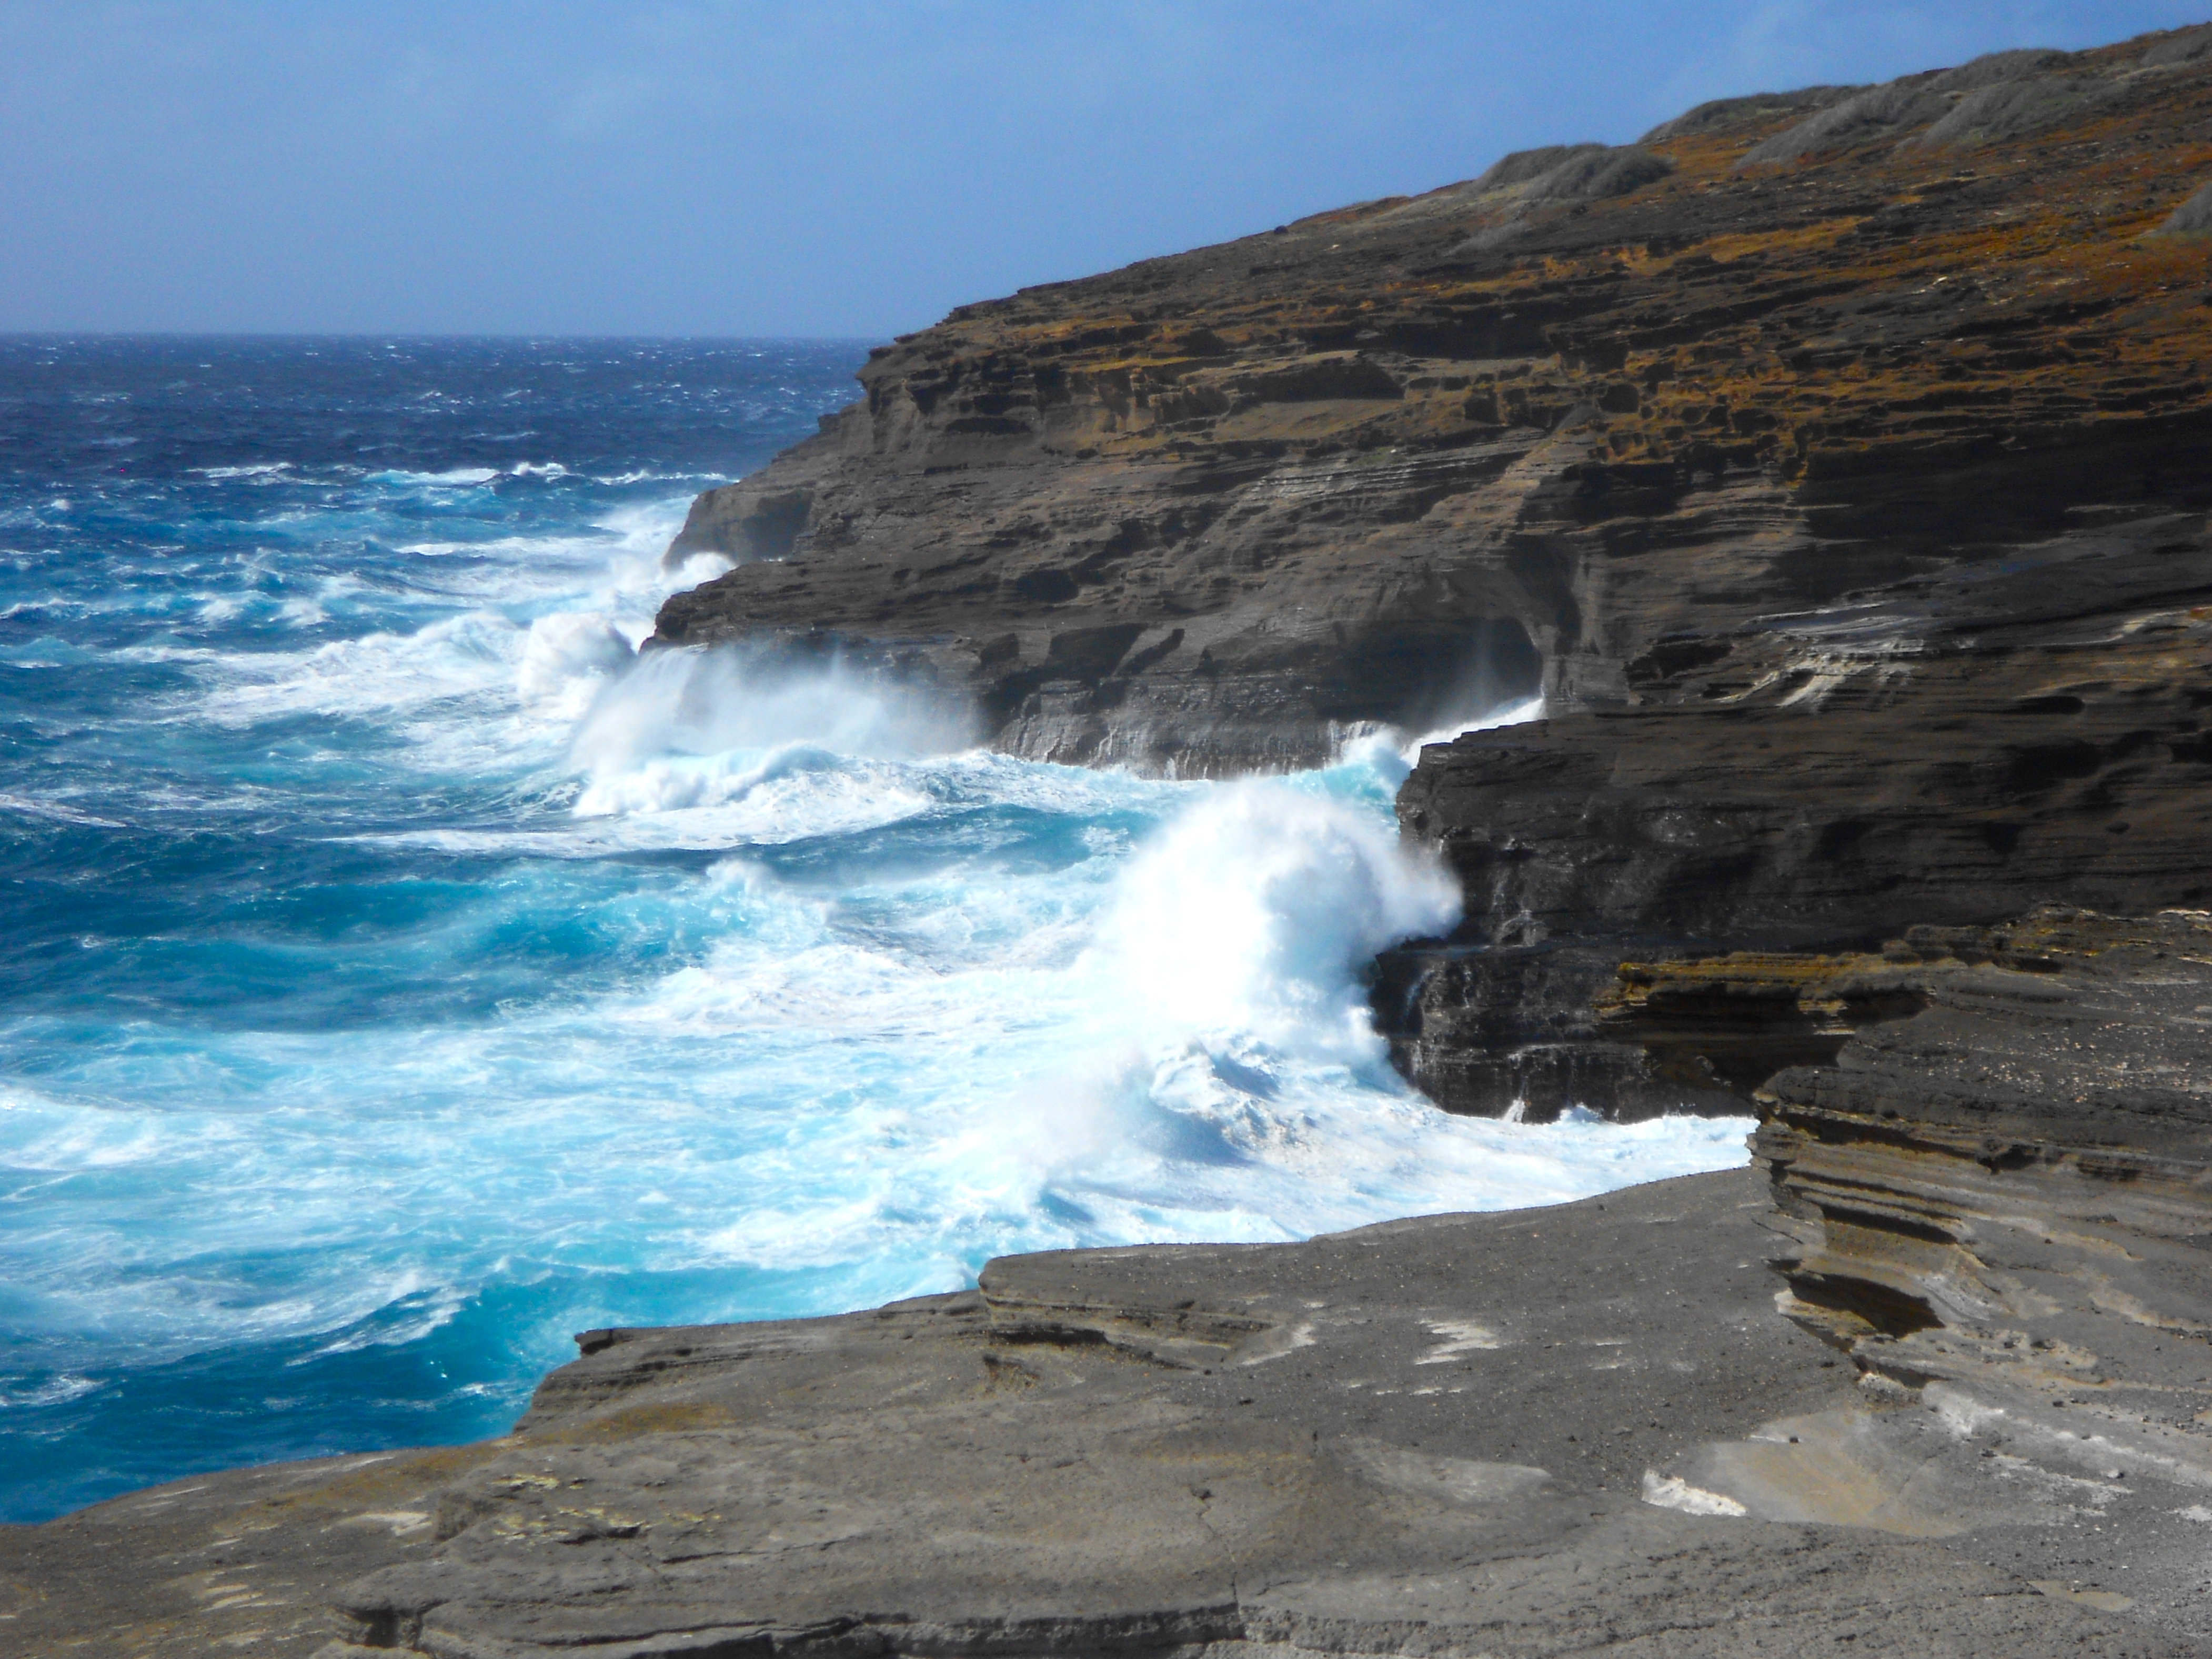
<point>51,334</point>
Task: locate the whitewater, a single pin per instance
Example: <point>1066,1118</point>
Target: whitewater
<point>403,972</point>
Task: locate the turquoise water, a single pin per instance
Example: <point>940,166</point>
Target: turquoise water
<point>401,975</point>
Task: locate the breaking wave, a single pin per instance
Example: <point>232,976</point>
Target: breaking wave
<point>404,972</point>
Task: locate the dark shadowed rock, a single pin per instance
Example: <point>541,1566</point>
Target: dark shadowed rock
<point>1824,784</point>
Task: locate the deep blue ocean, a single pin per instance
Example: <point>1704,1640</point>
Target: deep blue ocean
<point>397,973</point>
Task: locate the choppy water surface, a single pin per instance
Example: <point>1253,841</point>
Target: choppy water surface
<point>399,975</point>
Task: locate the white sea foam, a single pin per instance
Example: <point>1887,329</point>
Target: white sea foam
<point>1245,920</point>
<point>688,729</point>
<point>54,810</point>
<point>519,636</point>
<point>642,474</point>
<point>54,1392</point>
<point>891,1072</point>
<point>1394,751</point>
<point>1485,720</point>
<point>459,477</point>
<point>982,1005</point>
<point>567,657</point>
<point>377,671</point>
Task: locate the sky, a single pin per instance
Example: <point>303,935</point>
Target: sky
<point>811,167</point>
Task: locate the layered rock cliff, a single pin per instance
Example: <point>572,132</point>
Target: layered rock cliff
<point>1610,411</point>
<point>1836,462</point>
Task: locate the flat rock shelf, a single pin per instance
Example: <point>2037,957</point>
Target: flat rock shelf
<point>1583,1429</point>
<point>1934,1375</point>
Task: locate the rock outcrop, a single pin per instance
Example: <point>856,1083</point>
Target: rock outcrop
<point>1789,378</point>
<point>2042,738</point>
<point>1578,1429</point>
<point>1838,464</point>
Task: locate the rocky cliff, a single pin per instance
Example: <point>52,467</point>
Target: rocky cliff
<point>1837,463</point>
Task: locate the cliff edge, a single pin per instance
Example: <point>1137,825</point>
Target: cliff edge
<point>1837,463</point>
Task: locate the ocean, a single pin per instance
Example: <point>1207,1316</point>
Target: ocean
<point>402,974</point>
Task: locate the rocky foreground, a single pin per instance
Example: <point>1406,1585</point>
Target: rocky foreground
<point>1934,1378</point>
<point>1836,464</point>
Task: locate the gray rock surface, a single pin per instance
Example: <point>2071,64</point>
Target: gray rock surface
<point>1762,109</point>
<point>1973,1415</point>
<point>1583,1430</point>
<point>2180,46</point>
<point>2005,95</point>
<point>1852,515</point>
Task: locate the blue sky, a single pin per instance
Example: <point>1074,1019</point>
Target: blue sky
<point>725,166</point>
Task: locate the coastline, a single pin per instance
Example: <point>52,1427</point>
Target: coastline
<point>1873,615</point>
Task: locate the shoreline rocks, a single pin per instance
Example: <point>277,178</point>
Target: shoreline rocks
<point>1838,465</point>
<point>1936,1374</point>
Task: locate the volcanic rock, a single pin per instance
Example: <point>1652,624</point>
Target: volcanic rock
<point>1593,408</point>
<point>1836,463</point>
<point>1577,1430</point>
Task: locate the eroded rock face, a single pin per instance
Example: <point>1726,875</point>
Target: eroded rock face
<point>1824,783</point>
<point>1839,462</point>
<point>1835,358</point>
<point>1997,1180</point>
<point>2034,1143</point>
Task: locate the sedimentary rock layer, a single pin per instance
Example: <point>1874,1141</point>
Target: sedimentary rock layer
<point>1841,455</point>
<point>1839,463</point>
<point>1578,1429</point>
<point>2001,756</point>
<point>1750,386</point>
